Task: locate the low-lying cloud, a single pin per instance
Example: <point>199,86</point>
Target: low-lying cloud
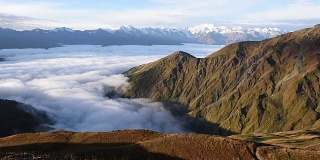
<point>70,83</point>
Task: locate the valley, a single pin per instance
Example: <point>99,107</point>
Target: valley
<point>248,100</point>
<point>159,80</point>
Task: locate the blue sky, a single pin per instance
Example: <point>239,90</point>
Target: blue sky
<point>92,14</point>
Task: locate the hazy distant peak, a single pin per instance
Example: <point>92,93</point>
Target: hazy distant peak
<point>128,34</point>
<point>61,29</point>
<point>37,29</point>
<point>127,28</point>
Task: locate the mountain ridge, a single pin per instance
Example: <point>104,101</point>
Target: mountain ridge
<point>246,87</point>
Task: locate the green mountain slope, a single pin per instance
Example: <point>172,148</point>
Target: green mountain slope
<point>247,87</point>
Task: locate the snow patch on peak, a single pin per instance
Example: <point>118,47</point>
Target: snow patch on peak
<point>127,28</point>
<point>203,28</point>
<point>110,30</point>
<point>37,30</point>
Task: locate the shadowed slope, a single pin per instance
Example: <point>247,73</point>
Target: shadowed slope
<point>20,118</point>
<point>246,87</point>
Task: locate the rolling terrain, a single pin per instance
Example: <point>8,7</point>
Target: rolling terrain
<point>247,87</point>
<point>140,144</point>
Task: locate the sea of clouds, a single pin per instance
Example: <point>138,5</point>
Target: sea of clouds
<point>70,83</point>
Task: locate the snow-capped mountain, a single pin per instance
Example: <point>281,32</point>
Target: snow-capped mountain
<point>212,34</point>
<point>205,33</point>
<point>208,28</point>
<point>130,35</point>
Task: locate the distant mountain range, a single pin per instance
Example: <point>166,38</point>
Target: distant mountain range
<point>211,34</point>
<point>129,35</point>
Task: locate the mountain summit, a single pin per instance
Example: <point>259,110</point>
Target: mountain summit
<point>248,87</point>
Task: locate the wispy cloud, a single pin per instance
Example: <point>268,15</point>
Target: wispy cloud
<point>299,13</point>
<point>158,13</point>
<point>25,23</point>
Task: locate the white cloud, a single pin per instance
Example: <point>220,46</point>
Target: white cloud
<point>70,83</point>
<point>164,13</point>
<point>295,13</point>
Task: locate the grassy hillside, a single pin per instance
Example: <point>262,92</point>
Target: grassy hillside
<point>140,144</point>
<point>302,139</point>
<point>246,87</point>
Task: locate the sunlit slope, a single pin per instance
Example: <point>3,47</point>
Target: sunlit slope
<point>246,87</point>
<point>302,139</point>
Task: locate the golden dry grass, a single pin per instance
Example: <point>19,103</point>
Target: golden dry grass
<point>302,139</point>
<point>140,144</point>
